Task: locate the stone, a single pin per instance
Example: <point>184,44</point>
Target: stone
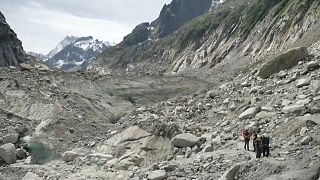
<point>21,153</point>
<point>69,156</point>
<point>255,89</point>
<point>200,106</point>
<point>284,61</point>
<point>32,176</point>
<point>282,74</point>
<point>11,138</point>
<point>157,175</point>
<point>294,109</point>
<point>303,131</point>
<point>208,148</point>
<point>131,134</point>
<point>285,102</point>
<point>249,113</point>
<point>188,152</point>
<point>306,140</point>
<point>232,105</point>
<point>7,153</point>
<point>312,65</point>
<point>25,66</point>
<point>303,82</point>
<point>229,175</point>
<point>185,140</point>
<point>212,94</point>
<point>264,114</point>
<point>315,86</point>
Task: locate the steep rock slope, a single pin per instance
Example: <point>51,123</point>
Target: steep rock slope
<point>176,14</point>
<point>11,50</point>
<point>171,18</point>
<point>228,38</point>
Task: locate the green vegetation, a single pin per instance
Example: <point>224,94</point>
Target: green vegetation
<point>197,29</point>
<point>256,12</point>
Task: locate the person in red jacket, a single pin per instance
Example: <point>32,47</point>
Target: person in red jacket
<point>246,138</point>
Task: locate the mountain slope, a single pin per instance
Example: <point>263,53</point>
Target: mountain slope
<point>11,50</point>
<point>230,37</point>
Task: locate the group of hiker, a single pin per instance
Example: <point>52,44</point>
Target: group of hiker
<point>260,142</point>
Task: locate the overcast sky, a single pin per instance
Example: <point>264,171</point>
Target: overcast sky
<point>41,24</point>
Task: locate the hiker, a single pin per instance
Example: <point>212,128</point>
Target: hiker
<point>258,146</point>
<point>254,138</point>
<point>246,138</point>
<point>265,145</point>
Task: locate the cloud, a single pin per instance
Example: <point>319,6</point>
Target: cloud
<point>41,24</point>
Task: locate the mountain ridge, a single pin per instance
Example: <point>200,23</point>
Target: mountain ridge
<point>11,50</point>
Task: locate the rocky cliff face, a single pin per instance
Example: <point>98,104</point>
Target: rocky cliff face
<point>176,14</point>
<point>230,37</point>
<point>171,18</point>
<point>11,51</point>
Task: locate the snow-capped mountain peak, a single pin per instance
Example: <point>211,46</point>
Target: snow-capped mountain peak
<point>76,53</point>
<point>88,43</point>
<point>68,40</point>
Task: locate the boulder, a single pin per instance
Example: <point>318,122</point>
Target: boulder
<point>249,113</point>
<point>11,138</point>
<point>312,65</point>
<point>69,156</point>
<point>185,140</point>
<point>315,86</point>
<point>208,148</point>
<point>297,109</point>
<point>306,140</point>
<point>303,131</point>
<point>229,175</point>
<point>7,153</point>
<point>264,114</point>
<point>232,105</point>
<point>157,175</point>
<point>32,176</point>
<point>304,82</point>
<point>21,153</point>
<point>284,61</point>
<point>25,66</point>
<point>188,152</point>
<point>131,134</point>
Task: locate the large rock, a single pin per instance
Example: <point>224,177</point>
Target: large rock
<point>11,138</point>
<point>306,140</point>
<point>21,153</point>
<point>132,133</point>
<point>157,175</point>
<point>304,82</point>
<point>31,176</point>
<point>312,65</point>
<point>69,156</point>
<point>249,113</point>
<point>7,153</point>
<point>297,109</point>
<point>284,61</point>
<point>185,140</point>
<point>229,175</point>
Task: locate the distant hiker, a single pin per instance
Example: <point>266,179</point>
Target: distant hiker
<point>265,145</point>
<point>258,146</point>
<point>246,138</point>
<point>254,138</point>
